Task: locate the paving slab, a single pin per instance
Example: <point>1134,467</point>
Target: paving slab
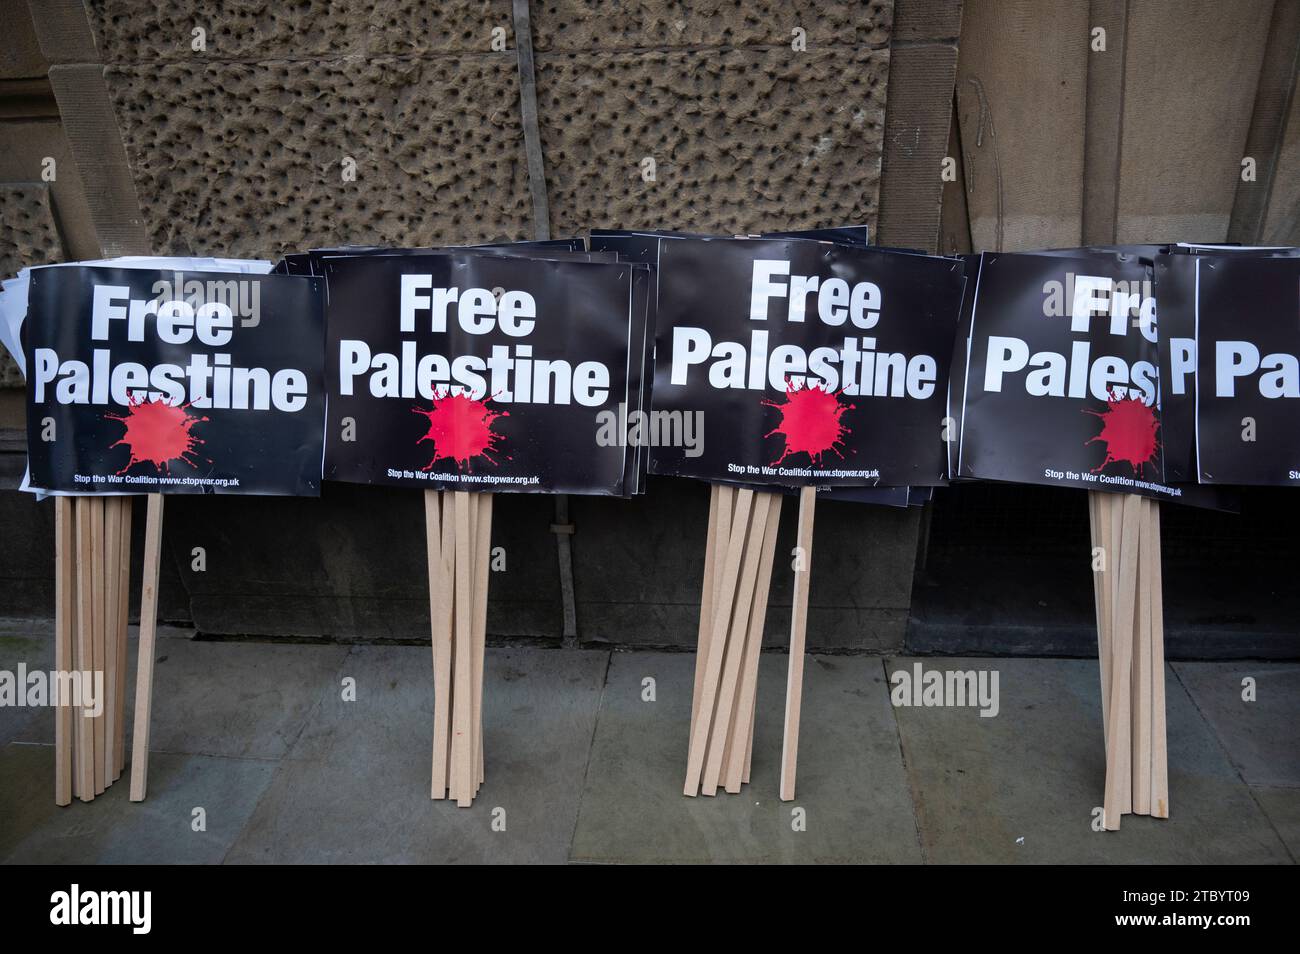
<point>355,786</point>
<point>1022,786</point>
<point>35,650</point>
<point>240,700</point>
<point>113,830</point>
<point>1282,806</point>
<point>236,700</point>
<point>26,792</point>
<point>1260,736</point>
<point>40,730</point>
<point>851,785</point>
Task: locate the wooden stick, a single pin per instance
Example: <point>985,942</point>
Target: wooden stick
<point>1111,511</point>
<point>1141,726</point>
<point>1099,527</point>
<point>112,555</point>
<point>1159,751</point>
<point>145,652</point>
<point>462,699</point>
<point>753,712</point>
<point>736,638</point>
<point>123,627</point>
<point>738,755</point>
<point>74,629</point>
<point>1131,524</point>
<point>98,632</point>
<point>723,599</point>
<point>85,730</point>
<point>727,497</point>
<point>1093,530</point>
<point>798,632</point>
<point>440,638</point>
<point>482,578</point>
<point>64,611</point>
<point>724,715</point>
<point>706,600</point>
<point>471,549</point>
<point>432,551</point>
<point>1119,786</point>
<point>449,614</point>
<point>726,514</point>
<point>1116,558</point>
<point>749,742</point>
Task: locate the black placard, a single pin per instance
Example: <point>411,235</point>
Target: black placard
<point>1062,383</point>
<point>517,384</point>
<point>760,337</point>
<point>1175,278</point>
<point>1175,283</point>
<point>145,381</point>
<point>309,263</point>
<point>1247,330</point>
<point>843,234</point>
<point>643,246</point>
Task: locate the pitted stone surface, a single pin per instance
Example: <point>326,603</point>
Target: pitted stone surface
<point>29,236</point>
<point>741,141</point>
<point>604,26</point>
<point>238,148</point>
<point>417,26</point>
<point>248,159</point>
<point>129,31</point>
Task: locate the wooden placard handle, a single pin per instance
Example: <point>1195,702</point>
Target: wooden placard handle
<point>798,633</point>
<point>147,649</point>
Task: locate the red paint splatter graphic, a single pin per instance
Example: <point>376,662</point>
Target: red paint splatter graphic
<point>810,421</point>
<point>158,433</point>
<point>1128,429</point>
<point>460,429</point>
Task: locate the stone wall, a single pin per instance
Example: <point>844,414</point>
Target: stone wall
<point>238,148</point>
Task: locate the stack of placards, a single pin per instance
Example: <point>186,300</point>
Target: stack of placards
<point>1058,384</point>
<point>465,373</point>
<point>809,364</point>
<point>146,381</point>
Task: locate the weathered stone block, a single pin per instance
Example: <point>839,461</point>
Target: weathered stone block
<point>741,140</point>
<point>248,158</point>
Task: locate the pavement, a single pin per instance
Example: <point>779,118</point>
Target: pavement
<point>586,754</point>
